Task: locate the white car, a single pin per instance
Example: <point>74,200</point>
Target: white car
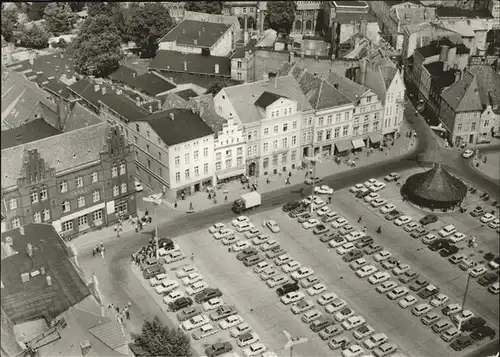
<point>240,245</point>
<point>340,222</point>
<point>402,220</point>
<point>292,297</point>
<point>243,227</point>
<point>450,334</point>
<point>252,232</point>
<point>457,237</point>
<point>478,270</point>
<point>462,316</point>
<point>375,340</point>
<point>261,239</point>
<point>378,202</point>
<point>192,278</point>
<point>185,271</point>
<point>410,227</point>
<point>353,322</point>
<point>212,304</point>
<point>381,256</point>
<point>337,242</point>
<point>216,227</point>
<point>370,182</point>
<point>302,273</point>
<point>377,186</point>
<point>401,269</point>
<point>229,240</point>
<point>291,266</point>
<point>230,321</point>
<point>354,236</point>
<point>439,300</point>
<point>398,292</point>
<point>309,281</point>
<point>327,298</point>
<point>172,296</point>
<point>239,220</point>
<point>468,153</point>
<point>447,231</point>
<point>138,186</point>
<point>196,288</point>
<point>316,289</point>
<point>429,238</point>
<point>268,273</point>
<point>223,233</point>
<point>194,322</point>
<point>157,280</point>
<point>302,306</point>
<point>269,245</point>
<point>346,248</point>
<point>254,349</point>
<point>494,224</point>
<point>389,207</point>
<point>167,286</point>
<point>487,218</point>
<point>353,351</point>
<point>204,331</point>
<point>273,226</point>
<point>356,187</point>
<point>277,280</point>
<point>240,329</point>
<point>372,196</point>
<point>386,286</point>
<point>407,301</point>
<point>365,271</point>
<point>282,259</point>
<point>421,309</point>
<point>379,277</point>
<point>260,267</point>
<point>358,264</point>
<point>323,190</point>
<point>323,210</point>
<point>335,306</point>
<point>452,309</point>
<point>310,223</point>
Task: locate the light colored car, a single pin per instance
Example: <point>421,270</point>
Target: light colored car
<point>254,349</point>
<point>260,267</point>
<point>393,176</point>
<point>247,338</point>
<point>323,190</point>
<point>450,334</point>
<point>339,222</point>
<point>356,187</point>
<point>138,186</point>
<point>273,226</point>
<point>167,286</point>
<point>323,210</point>
<point>343,314</point>
<point>421,309</point>
<point>216,227</point>
<point>268,273</point>
<point>381,256</point>
<point>291,266</point>
<point>378,202</point>
<point>196,288</point>
<point>223,233</point>
<point>370,182</point>
<point>277,280</point>
<point>462,316</point>
<point>401,269</point>
<point>261,239</point>
<point>309,281</point>
<point>386,286</point>
<point>302,306</point>
<point>354,236</point>
<point>372,196</point>
<point>439,300</point>
<point>194,322</point>
<point>239,220</point>
<point>204,331</point>
<point>346,248</point>
<point>212,304</point>
<point>243,227</point>
<point>338,342</point>
<point>358,264</point>
<point>379,277</point>
<point>292,297</point>
<point>240,329</point>
<point>410,227</point>
<point>389,207</point>
<point>269,245</point>
<point>447,231</point>
<point>185,271</point>
<point>192,278</point>
<point>229,240</point>
<point>157,280</point>
<point>353,351</point>
<point>173,295</point>
<point>365,271</point>
<point>347,229</point>
<point>487,218</point>
<point>494,224</point>
<point>326,298</point>
<point>457,237</point>
<point>478,270</point>
<point>398,292</point>
<point>230,321</point>
<point>377,186</point>
<point>310,223</point>
<point>335,306</point>
<point>282,259</point>
<point>402,221</point>
<point>457,258</point>
<point>385,350</point>
<point>407,301</point>
<point>468,153</point>
<point>302,273</point>
<point>353,322</point>
<point>252,232</point>
<point>240,245</point>
<point>375,340</point>
<point>316,289</point>
<point>174,256</point>
<point>429,238</point>
<point>337,242</point>
<point>329,217</point>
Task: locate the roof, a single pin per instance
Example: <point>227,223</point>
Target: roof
<point>441,77</point>
<point>173,100</point>
<point>266,99</point>
<point>123,74</point>
<point>461,27</point>
<point>379,78</point>
<point>351,3</point>
<point>57,87</point>
<point>152,84</point>
<point>350,89</point>
<point>436,184</point>
<point>196,33</point>
<point>489,86</point>
<point>186,126</point>
<point>347,17</point>
<point>35,299</point>
<point>216,18</point>
<point>204,105</point>
<point>239,51</point>
<point>195,63</point>
<point>243,96</point>
<point>434,48</point>
<point>32,131</point>
<point>412,15</point>
<point>80,117</point>
<point>186,94</point>
<point>449,11</point>
<point>463,95</point>
<point>61,152</point>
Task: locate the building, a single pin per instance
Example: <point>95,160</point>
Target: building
<point>31,131</point>
<point>473,32</point>
<point>189,36</point>
<point>78,181</point>
<point>494,8</point>
<point>270,113</point>
<point>229,152</point>
<point>243,62</point>
<point>306,17</point>
<point>240,9</point>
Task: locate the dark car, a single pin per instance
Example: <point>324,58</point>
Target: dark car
<point>478,211</point>
<point>321,323</point>
<point>428,292</point>
<point>473,323</point>
<point>482,332</point>
<point>418,284</point>
<point>218,349</point>
<point>391,216</point>
<point>290,206</point>
<point>287,288</point>
<point>461,342</point>
<point>253,260</point>
<point>409,276</point>
<point>372,249</point>
<point>362,194</point>
<point>180,303</point>
<point>247,252</point>
<point>446,252</point>
<point>297,211</point>
<point>364,242</point>
<point>188,312</point>
<point>207,294</point>
<point>222,312</point>
<point>328,236</point>
<point>487,279</point>
<point>352,255</point>
<point>428,219</point>
<point>419,232</point>
<point>439,244</point>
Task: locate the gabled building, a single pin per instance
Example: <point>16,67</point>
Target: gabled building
<point>229,152</point>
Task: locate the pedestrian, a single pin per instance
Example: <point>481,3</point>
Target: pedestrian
<point>192,257</point>
<point>93,252</point>
<point>102,245</point>
<point>215,200</point>
<point>225,198</point>
<point>117,308</point>
<point>183,195</point>
<point>329,199</point>
<point>118,233</point>
<point>127,315</point>
<point>364,229</point>
<point>146,213</point>
<point>359,219</point>
<point>175,204</point>
<point>289,173</point>
<point>229,249</point>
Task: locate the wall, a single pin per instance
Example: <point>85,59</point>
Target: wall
<point>223,46</point>
<point>242,68</point>
<point>172,46</point>
<point>488,122</point>
<point>466,125</point>
<point>230,144</point>
<point>394,105</point>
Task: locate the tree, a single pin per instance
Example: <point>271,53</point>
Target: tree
<point>33,37</point>
<point>148,24</point>
<point>36,9</point>
<point>9,23</point>
<point>100,8</point>
<point>77,6</point>
<point>281,15</point>
<point>208,7</point>
<point>59,18</point>
<point>158,340</point>
<point>119,19</point>
<point>97,47</point>
<point>216,86</point>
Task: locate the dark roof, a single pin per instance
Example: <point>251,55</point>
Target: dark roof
<point>436,185</point>
<point>58,88</point>
<point>346,17</point>
<point>442,78</point>
<point>449,11</point>
<point>80,117</point>
<point>196,33</point>
<point>434,48</point>
<point>35,299</point>
<point>266,99</point>
<point>191,78</point>
<point>123,74</point>
<point>173,61</point>
<point>187,125</point>
<point>151,84</point>
<point>351,3</point>
<point>391,3</point>
<point>239,51</point>
<point>32,131</point>
<point>187,94</point>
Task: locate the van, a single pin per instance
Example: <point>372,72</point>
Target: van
<point>441,325</point>
<point>311,315</point>
<point>494,288</point>
<point>287,288</point>
<point>364,242</point>
<point>447,231</point>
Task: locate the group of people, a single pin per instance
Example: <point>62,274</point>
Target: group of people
<point>123,312</point>
<point>98,249</point>
<point>148,251</point>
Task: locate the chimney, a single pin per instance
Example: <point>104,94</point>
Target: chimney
<point>29,250</point>
<point>443,55</point>
<point>103,90</point>
<point>245,38</point>
<point>118,91</point>
<point>21,230</point>
<point>85,346</point>
<point>216,68</point>
<point>362,71</point>
<point>275,82</point>
<point>172,117</point>
<point>49,280</point>
<point>185,65</point>
<point>245,23</point>
<point>150,109</point>
<point>96,87</point>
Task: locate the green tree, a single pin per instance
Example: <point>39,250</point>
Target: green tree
<point>281,15</point>
<point>97,47</point>
<point>147,24</point>
<point>36,9</point>
<point>120,19</point>
<point>208,7</point>
<point>59,18</point>
<point>76,6</point>
<point>100,8</point>
<point>158,340</point>
<point>33,37</point>
<point>9,23</point>
<point>216,86</point>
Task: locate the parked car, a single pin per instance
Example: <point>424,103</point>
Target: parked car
<point>207,294</point>
<point>240,329</point>
<point>387,208</point>
<point>180,303</point>
<point>393,176</point>
<point>407,301</point>
<point>188,312</point>
<point>222,312</point>
<point>336,305</point>
<point>462,342</point>
<point>330,331</point>
<point>477,211</point>
<point>398,292</point>
<point>439,300</point>
<point>385,350</point>
<point>273,226</point>
<point>290,206</point>
<point>418,284</point>
<point>473,323</point>
<point>482,332</point>
<point>372,249</point>
<point>375,340</point>
<point>363,331</point>
<point>218,349</point>
<point>204,331</point>
<point>430,318</point>
<point>379,277</point>
<point>408,277</point>
<point>428,291</point>
<point>428,219</point>
<point>302,306</point>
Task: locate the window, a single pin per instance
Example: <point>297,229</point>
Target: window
<point>283,158</point>
<point>376,116</point>
<point>249,151</point>
<point>159,156</point>
<point>96,196</point>
<point>46,215</point>
<point>229,163</point>
<point>148,134</point>
<point>337,118</point>
<point>122,168</point>
<point>177,160</point>
<point>239,64</point>
<point>346,116</point>
<point>285,127</point>
<point>275,160</point>
<point>366,118</point>
<point>149,164</point>
<point>239,151</point>
<point>12,204</point>
<point>79,182</point>
<point>116,190</point>
<point>186,174</point>
<point>319,135</point>
<point>97,215</point>
<point>294,140</point>
<point>124,187</point>
<point>34,196</point>
<point>137,128</point>
<point>362,110</point>
<point>147,148</point>
<point>328,134</point>
<point>218,156</point>
<point>294,124</point>
<point>365,128</point>
<point>356,120</point>
<point>114,171</point>
<point>94,177</point>
<point>336,133</point>
<point>195,155</point>
<point>67,226</point>
<point>265,163</point>
<point>136,140</point>
<point>63,186</point>
<point>239,76</point>
<point>66,206</point>
<point>294,155</point>
<point>275,144</point>
<point>254,153</point>
<point>205,152</point>
<point>486,123</point>
<point>459,127</point>
<point>355,130</point>
<point>368,99</point>
<point>229,153</point>
<point>239,161</point>
<point>37,217</point>
<point>285,112</point>
<point>177,176</point>
<point>83,220</point>
<point>275,129</point>
<point>266,147</point>
<point>320,121</point>
<point>372,108</point>
<point>205,168</point>
<point>375,125</point>
<point>197,171</point>
<point>285,142</point>
<point>81,201</point>
<point>345,130</point>
<point>266,131</point>
<point>329,120</point>
<point>121,207</point>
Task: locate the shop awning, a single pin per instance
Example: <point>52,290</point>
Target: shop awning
<point>358,143</point>
<point>232,173</point>
<point>375,138</point>
<point>343,145</point>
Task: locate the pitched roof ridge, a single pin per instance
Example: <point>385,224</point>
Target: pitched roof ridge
<point>319,93</point>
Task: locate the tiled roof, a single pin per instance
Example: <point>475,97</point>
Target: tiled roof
<point>187,94</point>
<point>195,63</point>
<point>32,131</point>
<point>35,299</point>
<point>57,87</point>
<point>243,96</point>
<point>173,100</point>
<point>80,117</point>
<point>388,74</point>
<point>123,74</point>
<point>187,125</point>
<point>434,48</point>
<point>266,99</point>
<point>215,18</point>
<point>327,96</point>
<point>463,96</point>
<point>196,33</point>
<point>489,86</point>
<point>152,84</point>
<point>449,11</point>
<point>204,104</point>
<point>375,81</point>
<point>62,152</point>
<point>203,81</point>
<point>350,89</point>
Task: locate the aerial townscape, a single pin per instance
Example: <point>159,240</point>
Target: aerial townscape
<point>250,179</point>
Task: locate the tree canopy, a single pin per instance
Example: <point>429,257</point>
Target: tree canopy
<point>33,37</point>
<point>147,24</point>
<point>158,340</point>
<point>101,8</point>
<point>208,7</point>
<point>97,47</point>
<point>9,23</point>
<point>216,86</point>
<point>36,9</point>
<point>59,18</point>
<point>281,15</point>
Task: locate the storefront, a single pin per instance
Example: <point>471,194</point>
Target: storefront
<point>230,175</point>
<point>357,144</point>
<point>342,147</point>
<point>375,139</point>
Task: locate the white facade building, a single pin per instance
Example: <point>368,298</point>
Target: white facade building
<point>229,151</point>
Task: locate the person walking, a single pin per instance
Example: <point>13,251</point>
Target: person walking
<point>330,199</point>
<point>359,219</point>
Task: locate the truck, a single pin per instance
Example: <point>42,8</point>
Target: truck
<point>247,201</point>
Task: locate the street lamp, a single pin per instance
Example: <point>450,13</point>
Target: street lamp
<point>156,230</point>
<point>465,298</point>
<point>292,341</point>
<point>313,160</point>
